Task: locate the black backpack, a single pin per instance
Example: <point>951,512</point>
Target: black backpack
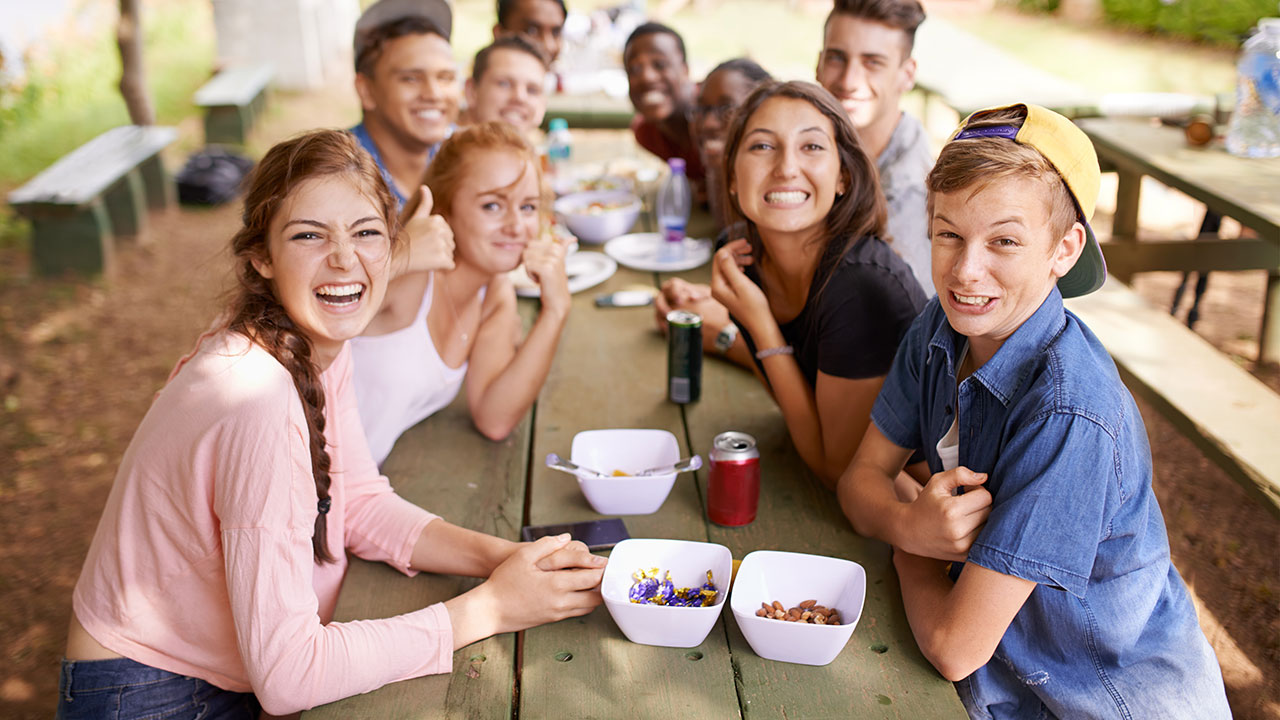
<point>212,176</point>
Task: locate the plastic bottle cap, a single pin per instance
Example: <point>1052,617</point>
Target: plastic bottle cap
<point>676,164</point>
<point>558,124</point>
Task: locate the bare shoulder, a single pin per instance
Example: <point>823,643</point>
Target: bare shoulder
<point>405,296</point>
<point>499,297</point>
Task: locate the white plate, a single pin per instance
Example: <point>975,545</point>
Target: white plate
<point>643,251</point>
<point>585,270</point>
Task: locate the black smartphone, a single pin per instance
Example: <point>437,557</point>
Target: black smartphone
<point>595,534</point>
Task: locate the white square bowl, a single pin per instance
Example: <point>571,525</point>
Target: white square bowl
<point>631,451</point>
<point>688,563</point>
<point>791,578</point>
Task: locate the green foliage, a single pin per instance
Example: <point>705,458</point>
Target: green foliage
<point>1039,7</point>
<point>1213,21</point>
<point>71,93</point>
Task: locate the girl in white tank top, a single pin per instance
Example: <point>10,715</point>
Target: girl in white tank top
<point>437,329</point>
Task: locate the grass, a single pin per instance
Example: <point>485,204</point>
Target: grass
<point>1103,59</point>
<point>72,92</point>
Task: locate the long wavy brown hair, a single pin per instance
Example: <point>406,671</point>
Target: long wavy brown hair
<point>254,309</point>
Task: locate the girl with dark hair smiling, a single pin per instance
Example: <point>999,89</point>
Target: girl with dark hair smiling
<point>820,298</point>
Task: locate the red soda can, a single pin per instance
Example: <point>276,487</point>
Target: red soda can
<point>733,492</point>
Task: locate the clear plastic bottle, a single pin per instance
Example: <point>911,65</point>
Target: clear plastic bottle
<point>1255,125</point>
<point>559,146</point>
<point>674,201</point>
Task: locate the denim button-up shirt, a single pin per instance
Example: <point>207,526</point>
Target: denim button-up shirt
<point>1109,630</point>
<point>362,135</point>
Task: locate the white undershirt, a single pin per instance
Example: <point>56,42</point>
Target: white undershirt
<point>949,446</point>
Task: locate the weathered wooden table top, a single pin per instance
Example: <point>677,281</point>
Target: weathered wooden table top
<point>1247,189</point>
<point>610,371</point>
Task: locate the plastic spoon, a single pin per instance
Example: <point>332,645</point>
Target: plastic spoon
<point>679,466</point>
<point>555,462</point>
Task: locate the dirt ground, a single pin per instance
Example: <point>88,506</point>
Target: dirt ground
<point>81,359</point>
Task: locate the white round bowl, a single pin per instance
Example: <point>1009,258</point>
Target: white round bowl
<point>791,578</point>
<point>688,563</point>
<point>628,450</point>
<point>601,225</point>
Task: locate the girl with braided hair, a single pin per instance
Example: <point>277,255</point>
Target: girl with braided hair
<point>214,572</point>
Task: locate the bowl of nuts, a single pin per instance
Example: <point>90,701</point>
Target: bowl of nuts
<point>666,592</point>
<point>798,608</point>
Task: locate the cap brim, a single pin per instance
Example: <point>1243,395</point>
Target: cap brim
<point>1090,270</point>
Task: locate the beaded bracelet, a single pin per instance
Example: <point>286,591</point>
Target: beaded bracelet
<point>780,350</point>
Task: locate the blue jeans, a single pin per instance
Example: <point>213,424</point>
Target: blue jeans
<point>122,689</point>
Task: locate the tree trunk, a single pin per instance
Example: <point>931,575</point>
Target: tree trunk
<point>133,78</point>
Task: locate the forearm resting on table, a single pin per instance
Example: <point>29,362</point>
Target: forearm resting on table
<point>447,549</point>
<point>800,412</point>
<point>958,625</point>
<point>866,488</point>
<point>503,402</point>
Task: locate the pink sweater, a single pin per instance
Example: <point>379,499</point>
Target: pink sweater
<point>202,563</point>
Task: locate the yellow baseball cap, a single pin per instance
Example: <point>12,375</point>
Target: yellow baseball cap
<point>1071,153</point>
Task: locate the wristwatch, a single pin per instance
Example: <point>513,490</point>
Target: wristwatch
<point>726,338</point>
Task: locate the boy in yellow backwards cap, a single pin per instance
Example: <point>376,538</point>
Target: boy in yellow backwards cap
<point>1034,563</point>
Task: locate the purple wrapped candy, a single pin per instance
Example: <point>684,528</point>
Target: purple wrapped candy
<point>648,589</point>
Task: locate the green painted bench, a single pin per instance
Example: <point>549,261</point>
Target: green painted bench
<point>967,74</point>
<point>1226,411</point>
<point>232,100</point>
<point>98,192</point>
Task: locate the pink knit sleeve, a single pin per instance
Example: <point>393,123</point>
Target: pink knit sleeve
<point>265,500</point>
<point>381,526</point>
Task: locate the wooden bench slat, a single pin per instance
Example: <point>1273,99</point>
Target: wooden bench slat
<point>1229,413</point>
<point>87,171</point>
<point>234,86</point>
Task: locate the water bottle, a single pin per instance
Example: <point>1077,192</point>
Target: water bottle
<point>673,204</point>
<point>1255,125</point>
<point>559,147</point>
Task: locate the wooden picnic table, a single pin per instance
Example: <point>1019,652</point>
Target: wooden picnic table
<point>610,371</point>
<point>1246,189</point>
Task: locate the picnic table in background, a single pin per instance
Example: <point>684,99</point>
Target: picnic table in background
<point>610,371</point>
<point>1247,189</point>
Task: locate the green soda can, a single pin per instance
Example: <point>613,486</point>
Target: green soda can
<point>684,356</point>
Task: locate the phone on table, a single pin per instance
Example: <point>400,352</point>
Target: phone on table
<point>595,534</point>
<point>624,298</point>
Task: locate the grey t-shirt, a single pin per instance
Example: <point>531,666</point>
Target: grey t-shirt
<point>903,165</point>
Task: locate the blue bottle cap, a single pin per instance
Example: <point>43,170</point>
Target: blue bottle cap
<point>676,164</point>
<point>558,124</point>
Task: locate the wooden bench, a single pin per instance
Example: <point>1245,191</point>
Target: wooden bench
<point>100,191</point>
<point>232,100</point>
<point>1229,414</point>
<point>968,74</point>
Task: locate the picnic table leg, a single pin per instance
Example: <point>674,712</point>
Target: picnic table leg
<point>126,205</point>
<point>159,187</point>
<point>1269,339</point>
<point>76,239</point>
<point>1125,227</point>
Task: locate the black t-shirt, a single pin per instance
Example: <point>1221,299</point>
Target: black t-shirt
<point>851,328</point>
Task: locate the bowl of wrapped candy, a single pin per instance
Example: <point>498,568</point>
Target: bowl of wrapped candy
<point>798,608</point>
<point>666,592</point>
<point>596,216</point>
